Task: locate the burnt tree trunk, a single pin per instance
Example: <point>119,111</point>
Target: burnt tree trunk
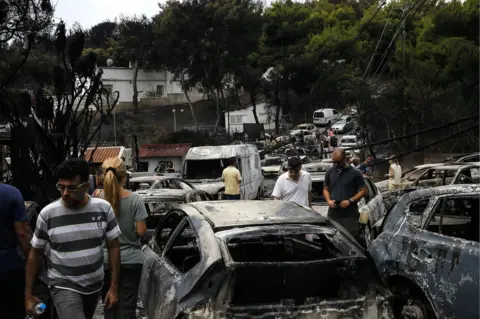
<point>135,89</point>
<point>254,107</point>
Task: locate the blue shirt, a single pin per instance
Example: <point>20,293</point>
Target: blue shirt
<point>12,209</point>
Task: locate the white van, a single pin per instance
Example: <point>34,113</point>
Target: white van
<point>325,116</point>
<point>204,165</point>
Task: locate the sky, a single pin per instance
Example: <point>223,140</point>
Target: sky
<point>90,12</point>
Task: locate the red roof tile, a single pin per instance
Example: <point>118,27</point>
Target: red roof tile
<point>102,153</point>
<point>163,150</point>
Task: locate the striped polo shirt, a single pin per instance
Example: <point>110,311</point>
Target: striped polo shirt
<point>75,237</point>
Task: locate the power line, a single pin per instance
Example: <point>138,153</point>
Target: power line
<point>426,146</point>
<point>427,130</point>
<point>420,132</point>
<point>378,43</point>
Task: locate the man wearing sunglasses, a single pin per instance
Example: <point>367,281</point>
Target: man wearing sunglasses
<point>295,185</point>
<point>343,187</point>
<point>71,231</point>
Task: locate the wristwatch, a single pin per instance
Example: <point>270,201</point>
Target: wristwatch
<point>351,201</point>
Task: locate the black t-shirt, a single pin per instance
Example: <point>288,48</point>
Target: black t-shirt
<point>344,185</point>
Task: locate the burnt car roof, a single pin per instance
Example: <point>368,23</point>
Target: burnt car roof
<point>443,190</point>
<point>224,214</point>
<point>453,166</point>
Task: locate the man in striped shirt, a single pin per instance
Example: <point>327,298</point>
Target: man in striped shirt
<point>71,232</point>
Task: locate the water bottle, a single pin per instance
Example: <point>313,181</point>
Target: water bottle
<point>39,310</point>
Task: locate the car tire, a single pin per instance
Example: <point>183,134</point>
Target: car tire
<point>409,302</point>
<point>260,193</point>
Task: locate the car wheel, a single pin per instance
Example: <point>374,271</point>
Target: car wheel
<point>260,194</point>
<point>410,303</point>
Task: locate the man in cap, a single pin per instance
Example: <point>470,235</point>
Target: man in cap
<point>295,185</point>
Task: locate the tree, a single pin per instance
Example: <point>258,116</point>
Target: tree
<point>59,118</point>
<point>135,44</point>
<point>202,41</point>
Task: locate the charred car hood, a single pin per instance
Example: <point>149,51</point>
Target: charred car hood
<point>271,169</point>
<point>162,194</point>
<point>210,186</point>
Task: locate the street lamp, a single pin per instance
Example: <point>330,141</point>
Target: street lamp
<point>175,118</point>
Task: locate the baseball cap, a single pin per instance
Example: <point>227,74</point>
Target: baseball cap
<point>294,163</point>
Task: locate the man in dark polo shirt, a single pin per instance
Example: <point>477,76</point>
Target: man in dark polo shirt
<point>344,186</point>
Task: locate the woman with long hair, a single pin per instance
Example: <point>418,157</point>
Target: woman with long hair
<point>130,211</point>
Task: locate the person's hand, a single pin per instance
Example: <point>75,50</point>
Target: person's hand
<point>344,203</point>
<point>331,204</point>
<point>30,303</point>
<point>111,298</point>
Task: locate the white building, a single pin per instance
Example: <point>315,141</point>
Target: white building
<point>159,83</point>
<point>153,155</point>
<point>266,116</point>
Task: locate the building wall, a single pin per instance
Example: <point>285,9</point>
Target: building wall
<point>121,80</point>
<point>153,162</point>
<point>265,115</point>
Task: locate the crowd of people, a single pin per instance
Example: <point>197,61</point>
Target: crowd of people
<point>91,244</point>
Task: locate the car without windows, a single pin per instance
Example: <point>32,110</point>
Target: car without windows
<point>271,166</point>
<point>427,250</point>
<point>164,194</point>
<point>245,259</point>
<point>465,158</point>
<point>448,174</point>
<point>409,176</point>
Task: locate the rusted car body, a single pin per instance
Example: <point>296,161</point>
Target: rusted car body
<point>428,252</point>
<point>251,259</point>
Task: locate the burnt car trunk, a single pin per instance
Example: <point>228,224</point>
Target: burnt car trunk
<point>302,278</point>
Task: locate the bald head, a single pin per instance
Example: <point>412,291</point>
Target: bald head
<point>338,158</point>
<point>339,153</point>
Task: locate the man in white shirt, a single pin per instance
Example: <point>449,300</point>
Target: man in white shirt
<point>295,185</point>
<point>394,174</point>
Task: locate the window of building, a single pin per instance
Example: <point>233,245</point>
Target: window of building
<point>160,90</point>
<point>108,87</point>
<point>236,119</point>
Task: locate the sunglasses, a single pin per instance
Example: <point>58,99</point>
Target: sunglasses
<point>70,188</point>
<point>293,169</point>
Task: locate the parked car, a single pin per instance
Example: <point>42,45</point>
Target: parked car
<point>448,174</point>
<point>271,166</point>
<point>246,259</point>
<point>427,250</point>
<point>164,194</point>
<point>204,165</point>
<point>307,126</point>
<point>465,158</point>
<point>325,116</point>
<point>408,176</point>
<point>343,125</point>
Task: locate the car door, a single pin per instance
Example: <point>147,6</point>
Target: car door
<point>373,206</point>
<point>447,251</point>
<point>154,266</point>
<point>178,261</point>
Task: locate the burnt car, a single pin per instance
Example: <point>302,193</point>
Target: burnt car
<point>257,259</point>
<point>163,194</point>
<point>448,174</point>
<point>428,252</point>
